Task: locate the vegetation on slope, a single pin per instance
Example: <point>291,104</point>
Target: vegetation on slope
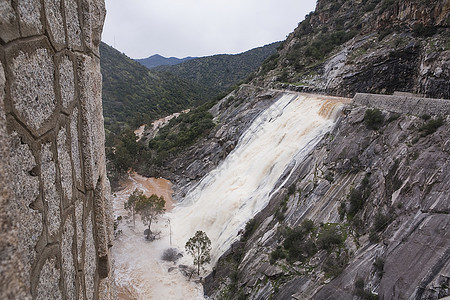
<point>134,95</point>
<point>147,156</point>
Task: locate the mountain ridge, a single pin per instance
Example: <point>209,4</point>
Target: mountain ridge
<point>157,60</point>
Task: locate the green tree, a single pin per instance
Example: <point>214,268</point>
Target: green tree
<point>130,204</point>
<point>199,247</point>
<point>150,208</point>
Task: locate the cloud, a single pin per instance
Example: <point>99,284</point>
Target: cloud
<point>141,28</point>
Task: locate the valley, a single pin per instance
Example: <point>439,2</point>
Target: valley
<point>224,201</point>
<point>303,194</point>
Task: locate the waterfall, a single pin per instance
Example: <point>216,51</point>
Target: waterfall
<point>241,186</point>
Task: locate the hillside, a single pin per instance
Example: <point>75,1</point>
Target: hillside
<point>158,60</point>
<point>373,46</point>
<point>134,95</point>
<point>223,71</point>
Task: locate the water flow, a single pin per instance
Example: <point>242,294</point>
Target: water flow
<point>241,185</point>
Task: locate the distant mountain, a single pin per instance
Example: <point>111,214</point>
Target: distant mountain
<point>158,60</point>
<point>221,72</point>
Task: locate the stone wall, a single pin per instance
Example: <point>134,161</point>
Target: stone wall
<point>404,104</point>
<point>55,211</point>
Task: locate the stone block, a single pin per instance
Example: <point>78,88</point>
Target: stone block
<point>10,24</point>
<point>107,289</point>
<point>2,90</point>
<point>30,17</point>
<point>73,25</point>
<point>50,193</point>
<point>404,104</point>
<point>66,81</point>
<point>48,287</point>
<point>90,260</point>
<point>11,267</point>
<point>79,208</point>
<point>92,129</point>
<point>31,78</point>
<point>93,13</point>
<point>55,23</point>
<point>25,186</point>
<point>102,223</point>
<point>65,165</point>
<point>68,266</point>
<point>76,159</point>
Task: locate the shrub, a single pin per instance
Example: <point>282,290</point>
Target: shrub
<point>373,118</point>
<point>277,254</point>
<point>386,4</point>
<point>298,242</point>
<point>379,266</point>
<point>335,264</point>
<point>382,34</point>
<point>426,117</point>
<point>342,209</point>
<point>250,228</point>
<point>373,237</point>
<point>424,31</point>
<point>431,126</point>
<point>381,222</point>
<point>329,238</point>
<point>279,214</point>
<point>170,254</point>
<point>291,189</point>
<point>358,197</point>
<point>361,292</point>
<point>330,177</point>
<point>359,284</point>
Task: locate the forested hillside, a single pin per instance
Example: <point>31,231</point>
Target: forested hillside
<point>134,95</point>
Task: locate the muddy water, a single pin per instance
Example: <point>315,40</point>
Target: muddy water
<point>139,271</point>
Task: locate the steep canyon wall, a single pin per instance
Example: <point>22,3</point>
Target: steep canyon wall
<point>54,206</point>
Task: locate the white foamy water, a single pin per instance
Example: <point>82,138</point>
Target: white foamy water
<point>241,186</point>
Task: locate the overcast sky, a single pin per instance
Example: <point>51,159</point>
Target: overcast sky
<point>181,28</point>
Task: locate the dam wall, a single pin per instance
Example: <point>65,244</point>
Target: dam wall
<point>404,103</point>
<point>55,218</point>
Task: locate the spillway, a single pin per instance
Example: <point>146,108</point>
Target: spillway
<point>229,196</point>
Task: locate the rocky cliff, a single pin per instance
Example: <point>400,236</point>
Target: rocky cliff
<point>55,215</point>
<point>351,46</point>
<point>366,215</point>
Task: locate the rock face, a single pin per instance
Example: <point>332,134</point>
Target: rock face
<point>350,46</point>
<point>379,187</point>
<point>55,213</point>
